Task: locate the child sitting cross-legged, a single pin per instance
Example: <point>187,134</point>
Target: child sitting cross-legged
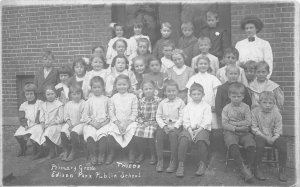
<point>197,119</point>
<point>236,121</point>
<point>267,127</point>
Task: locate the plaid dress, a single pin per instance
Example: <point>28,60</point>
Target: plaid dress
<point>147,124</point>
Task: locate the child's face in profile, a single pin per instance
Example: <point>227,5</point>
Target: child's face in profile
<point>202,65</point>
<point>171,92</point>
<point>137,30</point>
<point>98,52</point>
<point>229,58</point>
<point>142,48</point>
<point>167,51</point>
<point>120,47</point>
<point>250,73</point>
<point>178,60</point>
<point>267,104</point>
<point>139,66</point>
<point>47,61</point>
<point>154,66</point>
<point>119,31</point>
<point>64,78</point>
<point>97,64</point>
<point>122,86</point>
<point>79,69</point>
<point>250,29</point>
<point>76,96</point>
<point>148,90</point>
<point>236,98</point>
<point>204,47</point>
<point>261,74</point>
<point>120,64</point>
<point>187,31</point>
<point>197,96</point>
<point>29,95</point>
<point>97,88</point>
<point>232,75</point>
<point>50,95</point>
<point>212,21</point>
<point>165,32</point>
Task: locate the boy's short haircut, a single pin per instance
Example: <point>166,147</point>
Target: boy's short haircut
<point>168,43</point>
<point>75,88</point>
<point>250,64</point>
<point>187,25</point>
<point>113,63</point>
<point>120,40</point>
<point>231,67</point>
<point>262,64</point>
<point>232,50</point>
<point>167,25</point>
<point>204,39</point>
<point>196,86</point>
<point>97,79</point>
<point>30,87</point>
<point>170,82</point>
<point>118,25</point>
<point>212,12</point>
<point>65,70</point>
<point>79,61</point>
<point>236,88</point>
<point>137,24</point>
<point>140,57</point>
<point>267,95</point>
<point>48,54</point>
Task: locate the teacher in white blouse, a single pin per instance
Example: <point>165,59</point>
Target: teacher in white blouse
<point>253,47</point>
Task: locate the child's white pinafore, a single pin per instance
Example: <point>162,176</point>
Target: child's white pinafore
<point>96,108</point>
<point>123,107</point>
<point>35,130</point>
<point>73,112</point>
<point>52,112</point>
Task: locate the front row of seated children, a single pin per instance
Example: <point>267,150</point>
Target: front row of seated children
<point>124,121</point>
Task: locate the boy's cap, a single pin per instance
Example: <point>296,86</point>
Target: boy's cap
<point>252,19</point>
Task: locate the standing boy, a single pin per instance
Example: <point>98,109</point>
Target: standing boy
<point>217,35</point>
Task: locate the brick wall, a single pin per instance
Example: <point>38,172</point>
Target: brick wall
<point>278,19</point>
<point>28,30</point>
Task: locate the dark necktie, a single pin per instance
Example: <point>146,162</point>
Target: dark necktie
<point>251,39</point>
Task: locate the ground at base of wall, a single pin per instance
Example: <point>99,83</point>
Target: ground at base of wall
<point>56,172</point>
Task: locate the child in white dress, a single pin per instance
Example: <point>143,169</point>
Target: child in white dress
<point>132,42</point>
<point>142,50</point>
<point>119,34</point>
<point>99,69</point>
<point>119,66</point>
<point>62,88</point>
<point>96,119</point>
<point>209,82</point>
<point>123,112</point>
<point>29,113</point>
<point>51,119</point>
<point>72,128</point>
<point>120,46</point>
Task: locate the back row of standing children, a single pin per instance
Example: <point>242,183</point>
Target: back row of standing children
<point>136,81</point>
